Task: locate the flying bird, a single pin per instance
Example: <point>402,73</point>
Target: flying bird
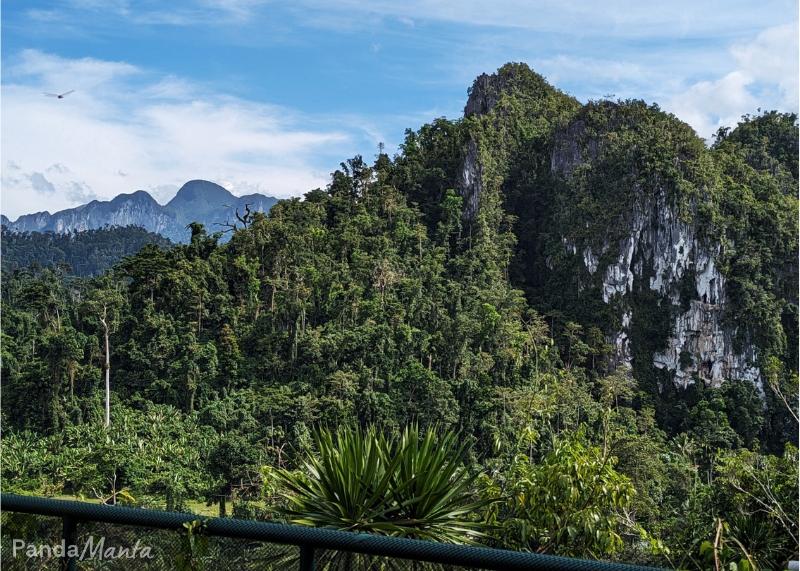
<point>60,95</point>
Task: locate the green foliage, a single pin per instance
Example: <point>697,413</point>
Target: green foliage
<point>157,452</point>
<point>194,547</point>
<point>88,253</point>
<point>414,486</point>
<point>758,494</point>
<point>767,141</point>
<point>571,502</point>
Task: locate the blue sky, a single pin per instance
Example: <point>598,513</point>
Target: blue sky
<point>269,97</point>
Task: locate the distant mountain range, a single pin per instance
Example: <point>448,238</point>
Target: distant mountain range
<point>197,201</point>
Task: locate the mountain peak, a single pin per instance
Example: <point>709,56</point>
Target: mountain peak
<point>201,191</point>
<point>136,196</point>
<point>516,78</point>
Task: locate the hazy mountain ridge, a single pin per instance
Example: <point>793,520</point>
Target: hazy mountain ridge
<point>196,201</point>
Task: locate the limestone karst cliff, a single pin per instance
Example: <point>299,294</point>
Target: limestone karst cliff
<point>625,219</point>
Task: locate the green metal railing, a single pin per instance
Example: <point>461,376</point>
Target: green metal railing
<point>309,541</point>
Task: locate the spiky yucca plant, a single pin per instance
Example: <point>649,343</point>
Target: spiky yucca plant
<point>359,480</point>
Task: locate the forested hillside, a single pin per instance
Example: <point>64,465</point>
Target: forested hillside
<point>87,253</point>
<point>450,288</point>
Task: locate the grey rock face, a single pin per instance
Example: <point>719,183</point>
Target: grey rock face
<point>37,222</point>
<point>622,355</point>
<point>658,241</point>
<point>708,345</point>
<point>701,344</point>
<point>484,94</point>
<point>211,205</point>
<point>654,246</point>
<point>470,181</point>
<point>590,260</point>
<point>568,153</point>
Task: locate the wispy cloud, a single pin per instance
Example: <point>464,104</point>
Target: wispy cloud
<point>40,183</point>
<point>613,18</point>
<point>187,13</point>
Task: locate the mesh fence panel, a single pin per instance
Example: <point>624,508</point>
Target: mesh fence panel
<point>104,546</point>
<point>329,560</point>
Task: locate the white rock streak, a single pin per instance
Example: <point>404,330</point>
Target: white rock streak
<point>701,344</point>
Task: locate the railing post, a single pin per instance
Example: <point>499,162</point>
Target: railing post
<point>70,535</point>
<point>307,558</point>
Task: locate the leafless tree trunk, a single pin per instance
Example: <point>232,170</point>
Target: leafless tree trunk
<point>107,367</point>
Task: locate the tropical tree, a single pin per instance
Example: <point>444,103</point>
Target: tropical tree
<point>573,502</point>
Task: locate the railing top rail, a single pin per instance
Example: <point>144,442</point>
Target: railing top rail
<point>321,538</point>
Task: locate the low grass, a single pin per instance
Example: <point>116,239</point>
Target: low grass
<point>198,507</point>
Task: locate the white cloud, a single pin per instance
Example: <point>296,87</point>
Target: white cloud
<point>569,67</point>
<point>57,168</point>
<point>159,132</point>
<point>708,105</point>
<point>765,77</point>
<point>579,19</point>
<point>772,58</point>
